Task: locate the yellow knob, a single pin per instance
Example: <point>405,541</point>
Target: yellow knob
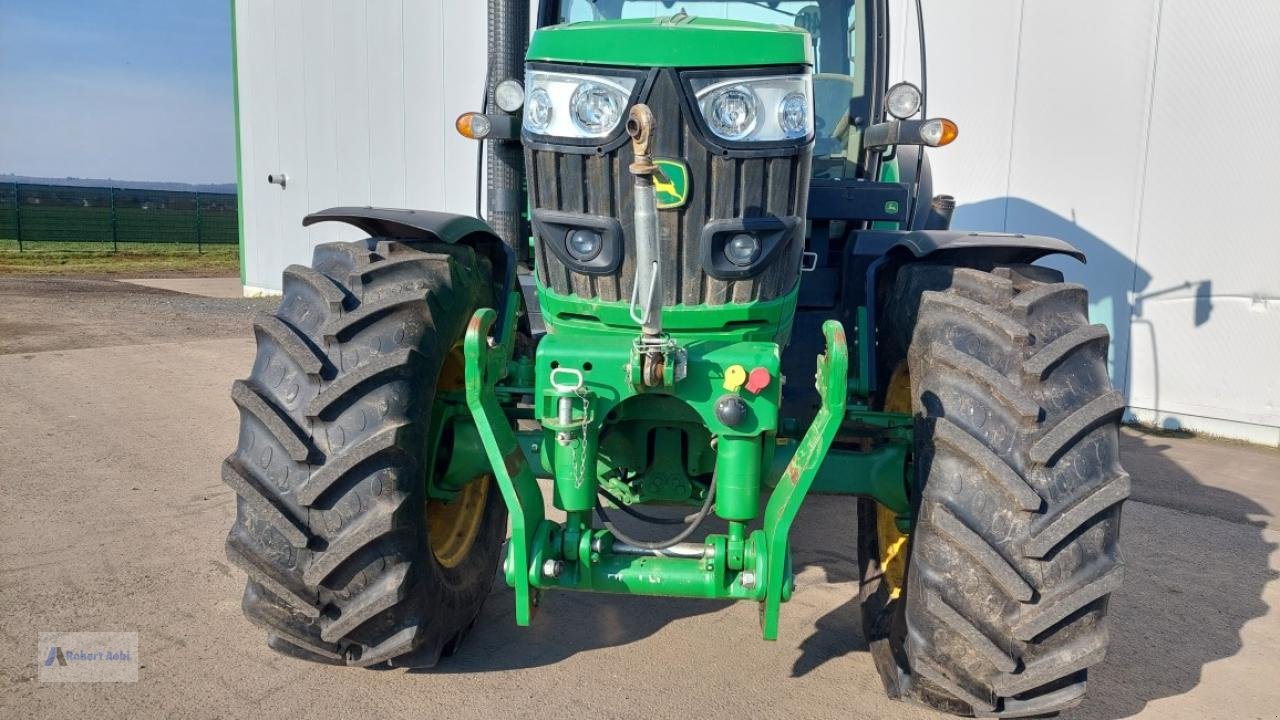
<point>734,377</point>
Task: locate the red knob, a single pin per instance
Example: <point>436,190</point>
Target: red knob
<point>758,380</point>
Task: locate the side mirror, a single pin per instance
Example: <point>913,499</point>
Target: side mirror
<point>932,133</point>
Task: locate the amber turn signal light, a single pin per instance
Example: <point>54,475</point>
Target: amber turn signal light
<point>938,132</point>
<point>473,125</point>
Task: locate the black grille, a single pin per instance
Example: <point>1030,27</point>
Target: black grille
<point>720,187</point>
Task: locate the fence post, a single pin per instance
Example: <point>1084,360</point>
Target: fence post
<point>199,237</point>
<point>115,240</point>
<point>17,207</point>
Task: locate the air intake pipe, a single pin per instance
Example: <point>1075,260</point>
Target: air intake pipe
<point>508,42</point>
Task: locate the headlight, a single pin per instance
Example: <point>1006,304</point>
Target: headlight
<point>576,106</point>
<point>538,111</point>
<point>596,108</point>
<point>793,115</point>
<point>509,95</point>
<point>584,245</point>
<point>903,100</point>
<point>732,113</point>
<point>742,250</point>
<point>757,109</point>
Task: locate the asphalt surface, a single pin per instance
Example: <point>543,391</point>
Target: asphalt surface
<point>114,416</point>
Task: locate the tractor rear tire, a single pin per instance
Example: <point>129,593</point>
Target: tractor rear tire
<point>1017,488</point>
<point>332,520</point>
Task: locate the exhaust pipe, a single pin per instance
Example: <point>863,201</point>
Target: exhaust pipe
<point>940,212</point>
<point>508,42</point>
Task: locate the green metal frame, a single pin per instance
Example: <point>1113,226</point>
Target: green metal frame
<point>606,424</point>
<point>670,42</point>
<point>576,556</point>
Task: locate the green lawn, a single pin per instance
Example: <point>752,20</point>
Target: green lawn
<point>62,258</point>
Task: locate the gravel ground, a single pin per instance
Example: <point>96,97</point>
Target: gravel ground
<point>114,415</point>
<point>41,314</point>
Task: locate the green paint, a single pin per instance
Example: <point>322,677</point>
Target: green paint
<point>600,425</point>
<point>878,472</point>
<point>679,42</point>
<point>235,104</point>
<point>672,187</point>
<point>603,361</point>
<point>793,486</point>
<point>769,320</point>
<point>484,368</point>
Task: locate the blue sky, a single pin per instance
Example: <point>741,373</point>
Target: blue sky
<point>125,89</point>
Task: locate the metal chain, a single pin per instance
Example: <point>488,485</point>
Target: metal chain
<point>581,391</point>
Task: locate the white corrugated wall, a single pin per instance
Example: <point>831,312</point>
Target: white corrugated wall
<point>1141,131</point>
<point>354,101</point>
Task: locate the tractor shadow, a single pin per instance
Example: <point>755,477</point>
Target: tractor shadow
<point>569,623</point>
<point>1197,560</point>
<point>1196,564</point>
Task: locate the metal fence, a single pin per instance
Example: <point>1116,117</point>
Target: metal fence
<point>98,217</point>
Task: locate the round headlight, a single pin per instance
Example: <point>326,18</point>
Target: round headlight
<point>733,113</point>
<point>742,249</point>
<point>595,108</point>
<point>903,100</point>
<point>584,245</point>
<point>538,111</point>
<point>509,95</point>
<point>793,115</point>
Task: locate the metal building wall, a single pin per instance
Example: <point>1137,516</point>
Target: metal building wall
<point>354,100</point>
<point>1099,122</point>
<point>1141,132</point>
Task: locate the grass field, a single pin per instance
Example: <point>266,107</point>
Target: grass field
<point>63,258</point>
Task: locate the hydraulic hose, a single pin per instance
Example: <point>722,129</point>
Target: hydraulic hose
<point>652,519</point>
<point>695,521</point>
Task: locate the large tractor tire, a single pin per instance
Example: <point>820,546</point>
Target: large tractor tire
<point>348,561</point>
<point>994,604</point>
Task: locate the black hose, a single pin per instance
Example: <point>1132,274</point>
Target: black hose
<point>695,521</point>
<point>653,519</point>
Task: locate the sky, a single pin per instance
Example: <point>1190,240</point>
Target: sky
<point>123,89</point>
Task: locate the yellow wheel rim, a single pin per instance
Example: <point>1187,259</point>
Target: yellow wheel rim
<point>452,526</point>
<point>892,543</point>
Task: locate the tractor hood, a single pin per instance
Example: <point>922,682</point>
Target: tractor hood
<point>679,41</point>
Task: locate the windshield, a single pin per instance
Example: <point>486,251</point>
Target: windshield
<point>837,47</point>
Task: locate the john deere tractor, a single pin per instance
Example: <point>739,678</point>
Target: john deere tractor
<point>712,282</point>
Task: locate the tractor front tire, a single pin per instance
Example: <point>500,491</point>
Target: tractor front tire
<point>333,526</point>
<point>1017,486</point>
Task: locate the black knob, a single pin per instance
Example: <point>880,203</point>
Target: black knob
<point>731,410</point>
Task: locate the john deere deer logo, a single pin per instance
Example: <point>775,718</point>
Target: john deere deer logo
<point>672,187</point>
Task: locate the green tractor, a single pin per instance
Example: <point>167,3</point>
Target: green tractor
<point>712,276</point>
